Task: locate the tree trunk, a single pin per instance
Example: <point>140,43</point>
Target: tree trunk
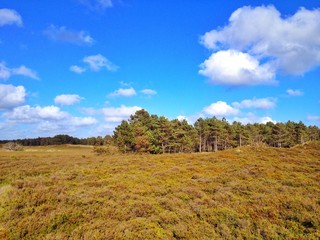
<point>215,144</point>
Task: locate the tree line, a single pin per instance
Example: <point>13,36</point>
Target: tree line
<point>149,133</point>
<point>60,140</point>
<point>143,132</point>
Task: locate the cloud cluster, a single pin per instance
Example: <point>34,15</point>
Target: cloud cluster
<point>222,109</point>
<point>28,114</point>
<point>258,42</point>
<point>62,34</point>
<point>47,120</point>
<point>112,117</point>
<point>94,63</point>
<point>10,17</point>
<point>234,111</point>
<point>123,112</point>
<point>6,72</point>
<point>11,96</point>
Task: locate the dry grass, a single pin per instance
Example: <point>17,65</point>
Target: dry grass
<point>69,192</point>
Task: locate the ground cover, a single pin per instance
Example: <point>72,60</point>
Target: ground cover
<point>68,192</point>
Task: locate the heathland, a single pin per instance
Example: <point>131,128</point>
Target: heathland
<point>71,192</point>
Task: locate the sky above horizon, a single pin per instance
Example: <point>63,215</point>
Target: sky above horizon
<point>80,67</point>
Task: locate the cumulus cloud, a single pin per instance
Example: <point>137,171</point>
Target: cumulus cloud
<point>62,34</point>
<point>277,42</point>
<point>29,114</point>
<point>45,121</point>
<point>182,118</point>
<point>97,62</point>
<point>67,99</point>
<point>68,125</point>
<point>232,67</point>
<point>6,72</point>
<point>123,92</point>
<point>83,121</point>
<point>251,118</point>
<point>48,117</point>
<point>123,112</point>
<point>220,109</point>
<point>148,92</point>
<point>11,96</point>
<point>77,69</point>
<point>259,103</point>
<point>294,93</point>
<point>10,17</point>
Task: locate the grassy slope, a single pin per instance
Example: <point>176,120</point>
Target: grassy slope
<point>70,193</point>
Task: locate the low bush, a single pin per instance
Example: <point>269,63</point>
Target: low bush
<point>12,146</point>
<point>105,150</point>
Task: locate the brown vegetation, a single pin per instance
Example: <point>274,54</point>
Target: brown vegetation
<point>70,192</point>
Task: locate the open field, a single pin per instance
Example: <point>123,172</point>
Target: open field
<point>68,192</point>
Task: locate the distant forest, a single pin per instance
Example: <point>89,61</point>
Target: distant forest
<point>153,134</point>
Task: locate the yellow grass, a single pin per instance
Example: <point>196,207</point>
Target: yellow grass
<point>68,192</point>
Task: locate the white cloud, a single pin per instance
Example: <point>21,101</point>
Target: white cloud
<point>123,92</point>
<point>259,103</point>
<point>6,73</point>
<point>97,5</point>
<point>182,118</point>
<point>83,121</point>
<point>289,44</point>
<point>294,93</point>
<point>112,114</point>
<point>90,111</point>
<point>220,109</point>
<point>24,71</point>
<point>232,67</point>
<point>96,62</point>
<point>47,118</point>
<point>77,69</point>
<point>67,99</point>
<point>64,35</point>
<point>9,17</point>
<point>27,114</point>
<point>67,126</point>
<point>45,121</point>
<point>314,118</point>
<point>251,118</point>
<point>148,92</point>
<point>11,96</point>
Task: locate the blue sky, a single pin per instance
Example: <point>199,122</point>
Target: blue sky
<point>79,67</point>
